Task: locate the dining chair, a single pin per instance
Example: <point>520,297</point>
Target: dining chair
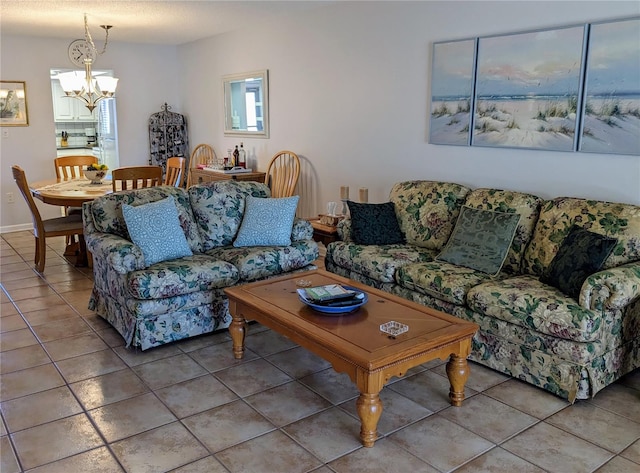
<point>70,167</point>
<point>174,175</point>
<point>202,154</point>
<point>283,173</point>
<point>68,225</point>
<point>136,177</point>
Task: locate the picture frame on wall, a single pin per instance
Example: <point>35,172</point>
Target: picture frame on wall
<point>452,81</point>
<point>528,89</point>
<point>13,103</point>
<point>611,109</point>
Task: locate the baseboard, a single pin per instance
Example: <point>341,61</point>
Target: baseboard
<point>16,228</point>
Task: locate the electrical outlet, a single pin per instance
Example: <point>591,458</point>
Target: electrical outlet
<point>5,133</point>
<point>10,198</point>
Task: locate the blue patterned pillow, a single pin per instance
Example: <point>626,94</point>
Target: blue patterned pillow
<point>156,229</point>
<point>480,240</point>
<point>267,222</point>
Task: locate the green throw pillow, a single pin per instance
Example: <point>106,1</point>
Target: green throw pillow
<point>374,224</point>
<point>480,240</point>
<point>155,228</point>
<point>581,254</point>
<point>267,222</point>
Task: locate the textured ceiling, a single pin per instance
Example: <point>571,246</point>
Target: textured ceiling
<point>156,22</point>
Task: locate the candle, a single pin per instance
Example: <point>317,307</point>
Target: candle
<point>364,195</point>
<point>344,192</point>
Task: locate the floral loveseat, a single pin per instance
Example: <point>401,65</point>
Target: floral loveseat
<point>571,346</point>
<point>183,297</point>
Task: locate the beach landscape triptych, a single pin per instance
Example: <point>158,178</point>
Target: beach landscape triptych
<point>566,89</point>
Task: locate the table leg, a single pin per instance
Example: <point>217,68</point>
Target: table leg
<point>369,408</point>
<point>458,372</point>
<point>237,330</point>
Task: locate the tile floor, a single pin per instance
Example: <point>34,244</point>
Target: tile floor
<point>74,399</point>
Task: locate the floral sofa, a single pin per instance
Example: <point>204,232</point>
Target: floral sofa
<point>571,346</point>
<point>183,297</point>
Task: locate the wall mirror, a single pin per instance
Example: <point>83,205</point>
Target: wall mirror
<point>246,104</point>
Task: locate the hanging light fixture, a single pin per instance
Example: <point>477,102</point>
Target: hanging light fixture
<point>84,86</point>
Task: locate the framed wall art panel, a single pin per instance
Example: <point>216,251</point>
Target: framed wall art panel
<point>452,80</point>
<point>13,103</point>
<point>611,118</point>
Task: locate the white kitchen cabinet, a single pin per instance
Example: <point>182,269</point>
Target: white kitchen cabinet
<point>67,109</point>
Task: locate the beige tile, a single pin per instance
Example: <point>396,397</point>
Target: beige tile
<point>22,358</point>
<point>527,398</point>
<point>39,408</point>
<point>272,452</point>
<point>160,449</point>
<point>34,291</point>
<point>298,362</point>
<point>13,267</point>
<point>29,381</point>
<point>227,425</point>
<point>604,428</point>
<point>7,309</point>
<point>489,418</point>
<point>11,323</point>
<point>90,365</point>
<point>202,341</point>
<point>18,275</point>
<point>397,411</point>
<point>498,460</point>
<point>220,356</point>
<point>135,356</point>
<point>205,465</point>
<point>556,450</point>
<point>454,444</point>
<point>8,460</point>
<point>52,314</point>
<point>633,452</point>
<point>168,371</point>
<point>383,457</point>
<point>98,460</point>
<point>79,283</point>
<point>619,465</point>
<point>111,337</point>
<point>267,342</point>
<point>78,299</point>
<point>66,328</point>
<point>96,322</point>
<point>108,388</point>
<point>63,438</point>
<point>620,399</point>
<point>38,303</point>
<point>631,380</point>
<point>74,346</point>
<point>195,395</point>
<point>328,434</point>
<point>336,387</point>
<point>17,339</point>
<point>131,416</point>
<point>287,403</point>
<point>252,377</point>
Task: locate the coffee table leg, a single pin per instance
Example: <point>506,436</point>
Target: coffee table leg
<point>458,372</point>
<point>369,410</point>
<point>237,331</point>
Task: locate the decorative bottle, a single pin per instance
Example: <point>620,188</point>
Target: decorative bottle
<point>242,157</point>
<point>236,157</point>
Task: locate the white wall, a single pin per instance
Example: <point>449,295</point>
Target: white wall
<point>147,80</point>
<point>349,91</point>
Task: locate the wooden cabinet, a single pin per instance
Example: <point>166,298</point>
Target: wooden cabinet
<point>67,109</point>
<point>198,176</point>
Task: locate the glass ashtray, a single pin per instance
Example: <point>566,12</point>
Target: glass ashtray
<point>303,283</point>
<point>393,328</point>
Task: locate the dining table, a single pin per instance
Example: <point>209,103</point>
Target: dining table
<point>70,193</point>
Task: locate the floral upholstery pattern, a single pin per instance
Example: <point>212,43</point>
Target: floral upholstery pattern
<point>527,329</point>
<point>184,297</point>
<point>427,210</point>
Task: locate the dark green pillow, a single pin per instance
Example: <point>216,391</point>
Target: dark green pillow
<point>581,254</point>
<point>374,224</point>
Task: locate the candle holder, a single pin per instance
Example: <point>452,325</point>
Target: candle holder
<point>345,209</point>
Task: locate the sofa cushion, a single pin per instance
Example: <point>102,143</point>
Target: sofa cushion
<point>155,228</point>
<point>441,280</point>
<point>427,210</point>
<point>528,302</point>
<point>621,221</point>
<point>267,222</point>
<point>108,218</point>
<point>378,262</point>
<point>526,205</point>
<point>178,277</point>
<point>374,224</point>
<point>259,262</point>
<point>480,240</point>
<point>581,254</point>
<point>218,208</point>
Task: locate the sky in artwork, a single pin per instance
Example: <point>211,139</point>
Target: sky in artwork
<point>452,70</point>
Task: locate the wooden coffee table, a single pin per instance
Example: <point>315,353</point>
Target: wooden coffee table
<point>353,343</point>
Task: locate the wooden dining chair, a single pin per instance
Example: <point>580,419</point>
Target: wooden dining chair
<point>70,167</point>
<point>174,175</point>
<point>202,154</point>
<point>136,177</point>
<point>283,173</point>
<point>42,229</point>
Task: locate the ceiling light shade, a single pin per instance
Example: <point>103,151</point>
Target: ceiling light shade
<point>86,87</point>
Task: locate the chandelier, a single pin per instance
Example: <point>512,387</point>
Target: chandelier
<point>84,86</point>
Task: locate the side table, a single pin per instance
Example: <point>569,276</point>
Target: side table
<point>322,233</point>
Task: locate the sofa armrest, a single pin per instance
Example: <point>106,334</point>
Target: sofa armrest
<point>119,253</point>
<point>302,230</point>
<point>612,288</point>
<point>344,229</point>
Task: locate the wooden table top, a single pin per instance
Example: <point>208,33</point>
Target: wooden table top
<point>69,192</point>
